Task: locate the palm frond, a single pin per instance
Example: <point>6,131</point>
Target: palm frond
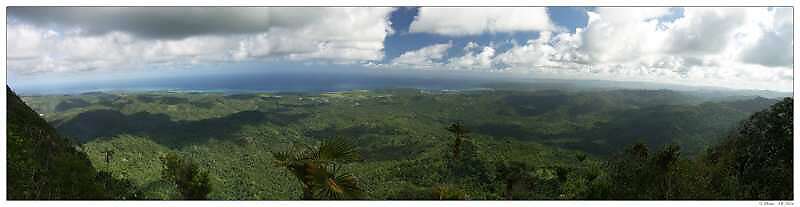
<point>282,156</point>
<point>339,187</point>
<point>307,152</point>
<point>457,128</point>
<point>292,161</point>
<point>316,168</point>
<point>337,150</point>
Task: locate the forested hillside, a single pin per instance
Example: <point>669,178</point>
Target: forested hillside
<point>430,145</point>
<point>44,166</point>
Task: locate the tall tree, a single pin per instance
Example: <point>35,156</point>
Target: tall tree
<point>192,183</point>
<point>317,168</point>
<point>109,154</point>
<point>459,132</point>
<point>511,173</point>
<point>665,161</point>
<point>630,174</point>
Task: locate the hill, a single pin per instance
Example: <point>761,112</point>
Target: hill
<point>400,134</point>
<point>44,166</point>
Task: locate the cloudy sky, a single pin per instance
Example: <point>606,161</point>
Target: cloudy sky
<point>731,47</point>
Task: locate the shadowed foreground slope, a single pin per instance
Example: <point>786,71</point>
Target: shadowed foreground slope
<point>43,166</point>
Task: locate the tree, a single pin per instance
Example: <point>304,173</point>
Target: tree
<point>511,173</point>
<point>580,157</point>
<point>760,153</point>
<point>317,168</point>
<point>665,161</point>
<point>109,154</point>
<point>629,173</point>
<point>459,132</point>
<point>118,188</point>
<point>192,184</point>
<point>661,175</point>
<point>41,164</point>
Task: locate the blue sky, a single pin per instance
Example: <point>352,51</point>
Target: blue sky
<point>747,48</point>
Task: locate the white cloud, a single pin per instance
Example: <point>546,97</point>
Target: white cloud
<point>773,47</point>
<point>28,42</point>
<point>471,60</point>
<point>708,34</point>
<point>733,47</point>
<point>101,38</point>
<point>458,21</point>
<point>705,30</point>
<point>704,46</point>
<point>619,34</point>
<point>535,53</point>
<point>730,47</point>
<point>182,22</point>
<point>424,57</point>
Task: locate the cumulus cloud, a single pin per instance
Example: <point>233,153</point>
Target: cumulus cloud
<point>181,22</point>
<point>461,21</point>
<point>423,57</point>
<point>773,47</point>
<point>705,45</point>
<point>733,47</point>
<point>622,34</point>
<point>540,53</point>
<point>705,34</point>
<point>473,59</point>
<point>45,39</point>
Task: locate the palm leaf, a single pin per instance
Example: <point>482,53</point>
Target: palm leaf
<point>315,168</point>
<point>291,161</point>
<point>282,157</point>
<point>339,187</point>
<point>337,150</point>
<point>457,128</point>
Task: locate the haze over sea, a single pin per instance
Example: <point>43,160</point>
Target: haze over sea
<point>295,78</point>
<point>302,80</point>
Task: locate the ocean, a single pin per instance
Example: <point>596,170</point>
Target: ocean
<point>282,81</point>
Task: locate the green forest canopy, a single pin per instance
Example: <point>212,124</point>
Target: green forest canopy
<point>520,145</point>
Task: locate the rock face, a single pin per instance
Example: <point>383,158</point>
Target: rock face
<point>41,165</point>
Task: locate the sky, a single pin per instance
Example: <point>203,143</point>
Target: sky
<point>733,47</point>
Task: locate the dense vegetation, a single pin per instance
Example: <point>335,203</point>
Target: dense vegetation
<point>417,144</point>
<point>317,169</point>
<point>191,182</point>
<point>42,165</point>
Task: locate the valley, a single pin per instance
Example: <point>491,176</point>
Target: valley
<point>399,133</point>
